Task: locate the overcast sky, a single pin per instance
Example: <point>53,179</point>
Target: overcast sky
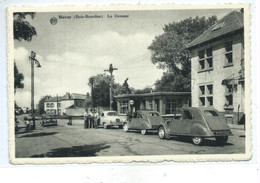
<point>74,49</point>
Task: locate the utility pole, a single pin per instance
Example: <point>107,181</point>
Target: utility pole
<point>33,60</point>
<point>92,83</point>
<point>110,70</point>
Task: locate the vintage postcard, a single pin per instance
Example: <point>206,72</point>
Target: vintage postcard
<point>146,83</point>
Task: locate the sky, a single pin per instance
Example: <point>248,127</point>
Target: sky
<point>75,49</point>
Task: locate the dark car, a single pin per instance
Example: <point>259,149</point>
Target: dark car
<point>143,120</point>
<point>197,123</point>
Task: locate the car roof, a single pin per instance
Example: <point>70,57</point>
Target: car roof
<point>200,109</point>
<point>108,111</point>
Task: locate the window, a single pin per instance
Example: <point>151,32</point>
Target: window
<point>58,104</point>
<point>202,90</point>
<point>206,59</point>
<point>52,105</point>
<point>173,106</point>
<point>229,53</point>
<point>111,114</point>
<point>206,95</point>
<point>229,94</point>
<point>150,103</point>
<point>170,106</point>
<point>123,107</point>
<point>210,113</point>
<point>102,114</point>
<point>48,105</point>
<point>187,115</point>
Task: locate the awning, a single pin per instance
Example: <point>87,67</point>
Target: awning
<point>229,81</point>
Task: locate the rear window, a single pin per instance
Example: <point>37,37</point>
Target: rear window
<point>153,114</point>
<point>210,113</point>
<point>111,113</point>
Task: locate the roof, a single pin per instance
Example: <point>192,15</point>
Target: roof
<point>73,96</point>
<point>154,94</point>
<point>230,23</point>
<point>54,99</point>
<point>78,96</point>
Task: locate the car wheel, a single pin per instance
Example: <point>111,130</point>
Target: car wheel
<point>221,140</point>
<point>143,132</point>
<point>161,133</point>
<point>125,127</point>
<point>105,126</point>
<point>197,140</point>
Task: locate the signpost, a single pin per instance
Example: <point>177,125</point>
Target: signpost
<point>131,102</point>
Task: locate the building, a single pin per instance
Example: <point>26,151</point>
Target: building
<point>163,102</point>
<point>52,106</point>
<point>217,61</point>
<point>67,104</point>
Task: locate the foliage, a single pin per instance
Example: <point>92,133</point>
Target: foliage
<point>18,78</point>
<point>23,30</point>
<point>125,88</point>
<point>41,104</point>
<point>169,52</point>
<point>146,89</point>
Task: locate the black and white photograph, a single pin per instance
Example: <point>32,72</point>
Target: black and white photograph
<point>129,84</point>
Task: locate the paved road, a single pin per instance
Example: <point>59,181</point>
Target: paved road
<point>75,141</point>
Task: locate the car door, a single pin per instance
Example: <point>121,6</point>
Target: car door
<point>186,122</point>
<point>138,120</point>
<point>175,126</point>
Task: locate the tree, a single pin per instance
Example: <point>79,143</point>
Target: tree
<point>22,31</point>
<point>18,78</point>
<point>169,52</point>
<point>22,28</point>
<point>41,104</point>
<point>146,89</point>
<point>100,93</point>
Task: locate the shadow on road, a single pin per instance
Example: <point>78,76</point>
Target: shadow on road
<point>39,134</point>
<point>74,151</point>
<point>207,142</point>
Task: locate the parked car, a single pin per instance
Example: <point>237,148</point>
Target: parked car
<point>197,123</point>
<point>111,118</point>
<point>143,120</point>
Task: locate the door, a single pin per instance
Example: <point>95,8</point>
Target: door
<point>186,122</point>
<point>175,126</point>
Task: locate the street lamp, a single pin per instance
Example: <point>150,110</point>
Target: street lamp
<point>33,60</point>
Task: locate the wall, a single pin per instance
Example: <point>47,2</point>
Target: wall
<point>218,73</point>
<point>65,104</point>
<point>54,107</point>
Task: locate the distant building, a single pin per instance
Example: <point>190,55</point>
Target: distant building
<point>62,105</point>
<point>217,64</point>
<point>163,102</point>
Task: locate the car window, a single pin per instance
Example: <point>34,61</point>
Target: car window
<point>102,114</point>
<point>210,113</point>
<point>111,113</point>
<point>187,115</point>
<point>153,114</point>
<point>139,115</point>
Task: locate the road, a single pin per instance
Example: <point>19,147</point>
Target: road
<point>75,141</point>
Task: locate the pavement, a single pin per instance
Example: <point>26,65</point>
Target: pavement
<point>75,141</point>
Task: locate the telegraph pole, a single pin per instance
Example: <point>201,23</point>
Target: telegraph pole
<point>92,83</point>
<point>33,60</point>
<point>110,70</point>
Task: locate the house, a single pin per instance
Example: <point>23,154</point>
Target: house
<point>52,106</point>
<point>217,68</point>
<point>163,102</point>
<point>62,105</point>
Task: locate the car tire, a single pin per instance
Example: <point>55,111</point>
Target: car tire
<point>143,132</point>
<point>222,140</point>
<point>197,140</point>
<point>161,133</point>
<point>125,127</point>
<point>105,126</point>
